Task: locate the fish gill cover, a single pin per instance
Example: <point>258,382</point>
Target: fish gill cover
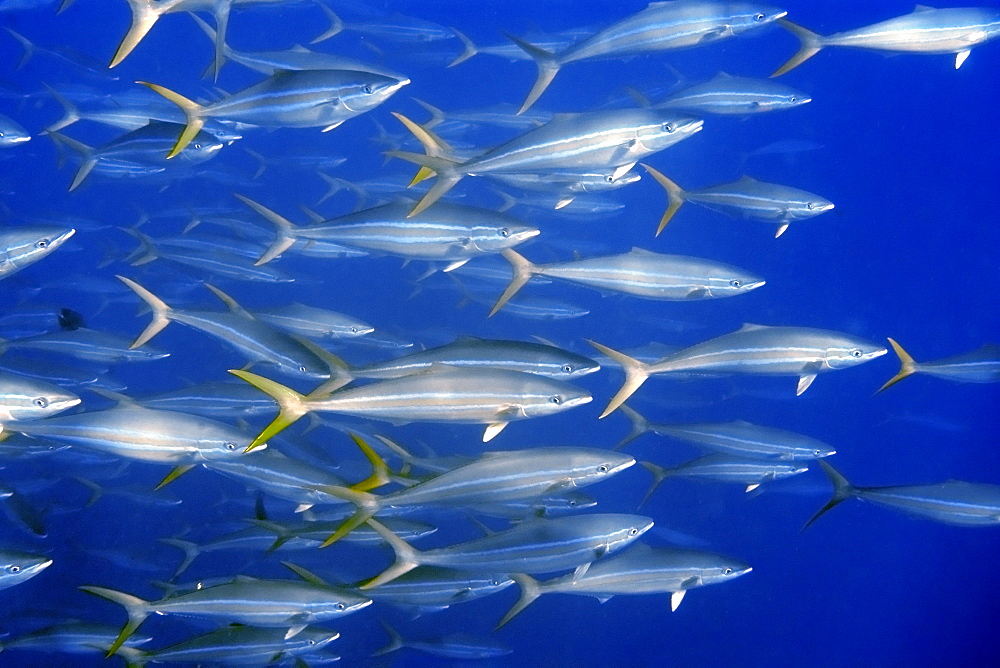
<point>282,233</point>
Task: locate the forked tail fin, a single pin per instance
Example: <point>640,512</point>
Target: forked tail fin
<point>675,196</point>
<point>636,373</point>
<point>530,590</point>
<point>810,45</point>
<point>841,490</point>
<point>907,366</point>
<point>291,405</point>
<point>523,271</point>
<point>548,66</point>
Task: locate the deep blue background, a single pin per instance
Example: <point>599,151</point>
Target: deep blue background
<point>909,155</point>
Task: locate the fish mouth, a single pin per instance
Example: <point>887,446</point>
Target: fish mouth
<point>753,284</point>
<point>577,401</point>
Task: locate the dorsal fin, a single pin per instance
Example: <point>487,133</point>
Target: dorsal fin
<point>641,251</point>
<point>230,303</point>
<point>923,8</point>
<point>118,398</point>
<point>749,327</point>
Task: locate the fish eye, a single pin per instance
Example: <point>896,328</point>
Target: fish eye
<point>340,606</point>
<point>41,402</point>
<point>603,468</point>
<point>856,352</point>
<point>758,17</point>
<point>727,571</point>
<point>42,243</point>
<point>230,446</point>
<point>567,368</point>
<point>354,330</point>
<point>735,283</point>
<point>610,178</point>
<point>302,369</point>
<point>810,206</point>
<point>504,232</point>
<point>668,127</point>
<point>496,583</point>
<point>13,569</point>
<point>311,642</point>
<point>197,145</point>
<point>816,453</point>
<point>367,89</point>
<point>555,399</point>
<point>633,532</point>
<point>793,99</point>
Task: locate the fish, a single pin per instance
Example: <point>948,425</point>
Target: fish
<point>23,398</point>
<point>539,546</point>
<point>458,646</point>
<point>18,567</point>
<point>730,95</point>
<point>724,468</point>
<point>11,132</point>
<point>491,478</point>
<point>450,233</point>
<point>22,246</point>
<point>86,344</point>
<point>977,366</point>
<point>661,26</point>
<point>737,438</point>
<point>71,638</point>
<point>925,30</point>
<point>449,394</point>
<point>640,569</point>
<point>285,604</point>
<point>592,140</point>
<point>133,432</point>
<point>754,349</point>
<point>314,323</point>
<point>432,588</point>
<point>138,153</point>
<point>234,645</point>
<point>748,197</point>
<point>639,272</point>
<point>257,341</point>
<point>297,99</point>
<point>472,352</point>
<point>956,502</point>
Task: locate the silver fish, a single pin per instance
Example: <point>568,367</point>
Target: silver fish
<point>753,349</point>
<point>641,273</point>
<point>18,567</point>
<point>24,398</point>
<point>925,30</point>
<point>24,245</point>
<point>977,366</point>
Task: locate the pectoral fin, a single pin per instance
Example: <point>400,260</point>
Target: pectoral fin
<point>492,430</point>
<point>961,57</point>
<point>676,598</point>
<point>805,380</point>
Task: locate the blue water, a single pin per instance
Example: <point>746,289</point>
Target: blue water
<point>906,148</point>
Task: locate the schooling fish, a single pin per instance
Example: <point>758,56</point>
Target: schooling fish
<point>24,245</point>
<point>538,546</point>
<point>18,567</point>
<point>723,468</point>
<point>602,140</point>
<point>257,341</point>
<point>753,349</point>
<point>296,99</point>
<point>450,233</point>
<point>449,394</point>
<point>737,438</point>
<point>638,570</point>
<point>286,604</point>
<point>11,132</point>
<point>662,26</point>
<point>925,30</point>
<point>727,95</point>
<point>493,477</point>
<point>977,366</point>
<point>641,273</point>
<point>950,502</point>
<point>24,398</point>
<point>747,197</point>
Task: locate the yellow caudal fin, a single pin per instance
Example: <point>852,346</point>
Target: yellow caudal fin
<point>136,608</point>
<point>907,366</point>
<point>161,312</point>
<point>291,404</point>
<point>448,175</point>
<point>523,271</point>
<point>548,66</point>
<point>636,373</point>
<point>192,114</point>
<point>810,45</point>
<point>675,196</point>
<point>433,145</point>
